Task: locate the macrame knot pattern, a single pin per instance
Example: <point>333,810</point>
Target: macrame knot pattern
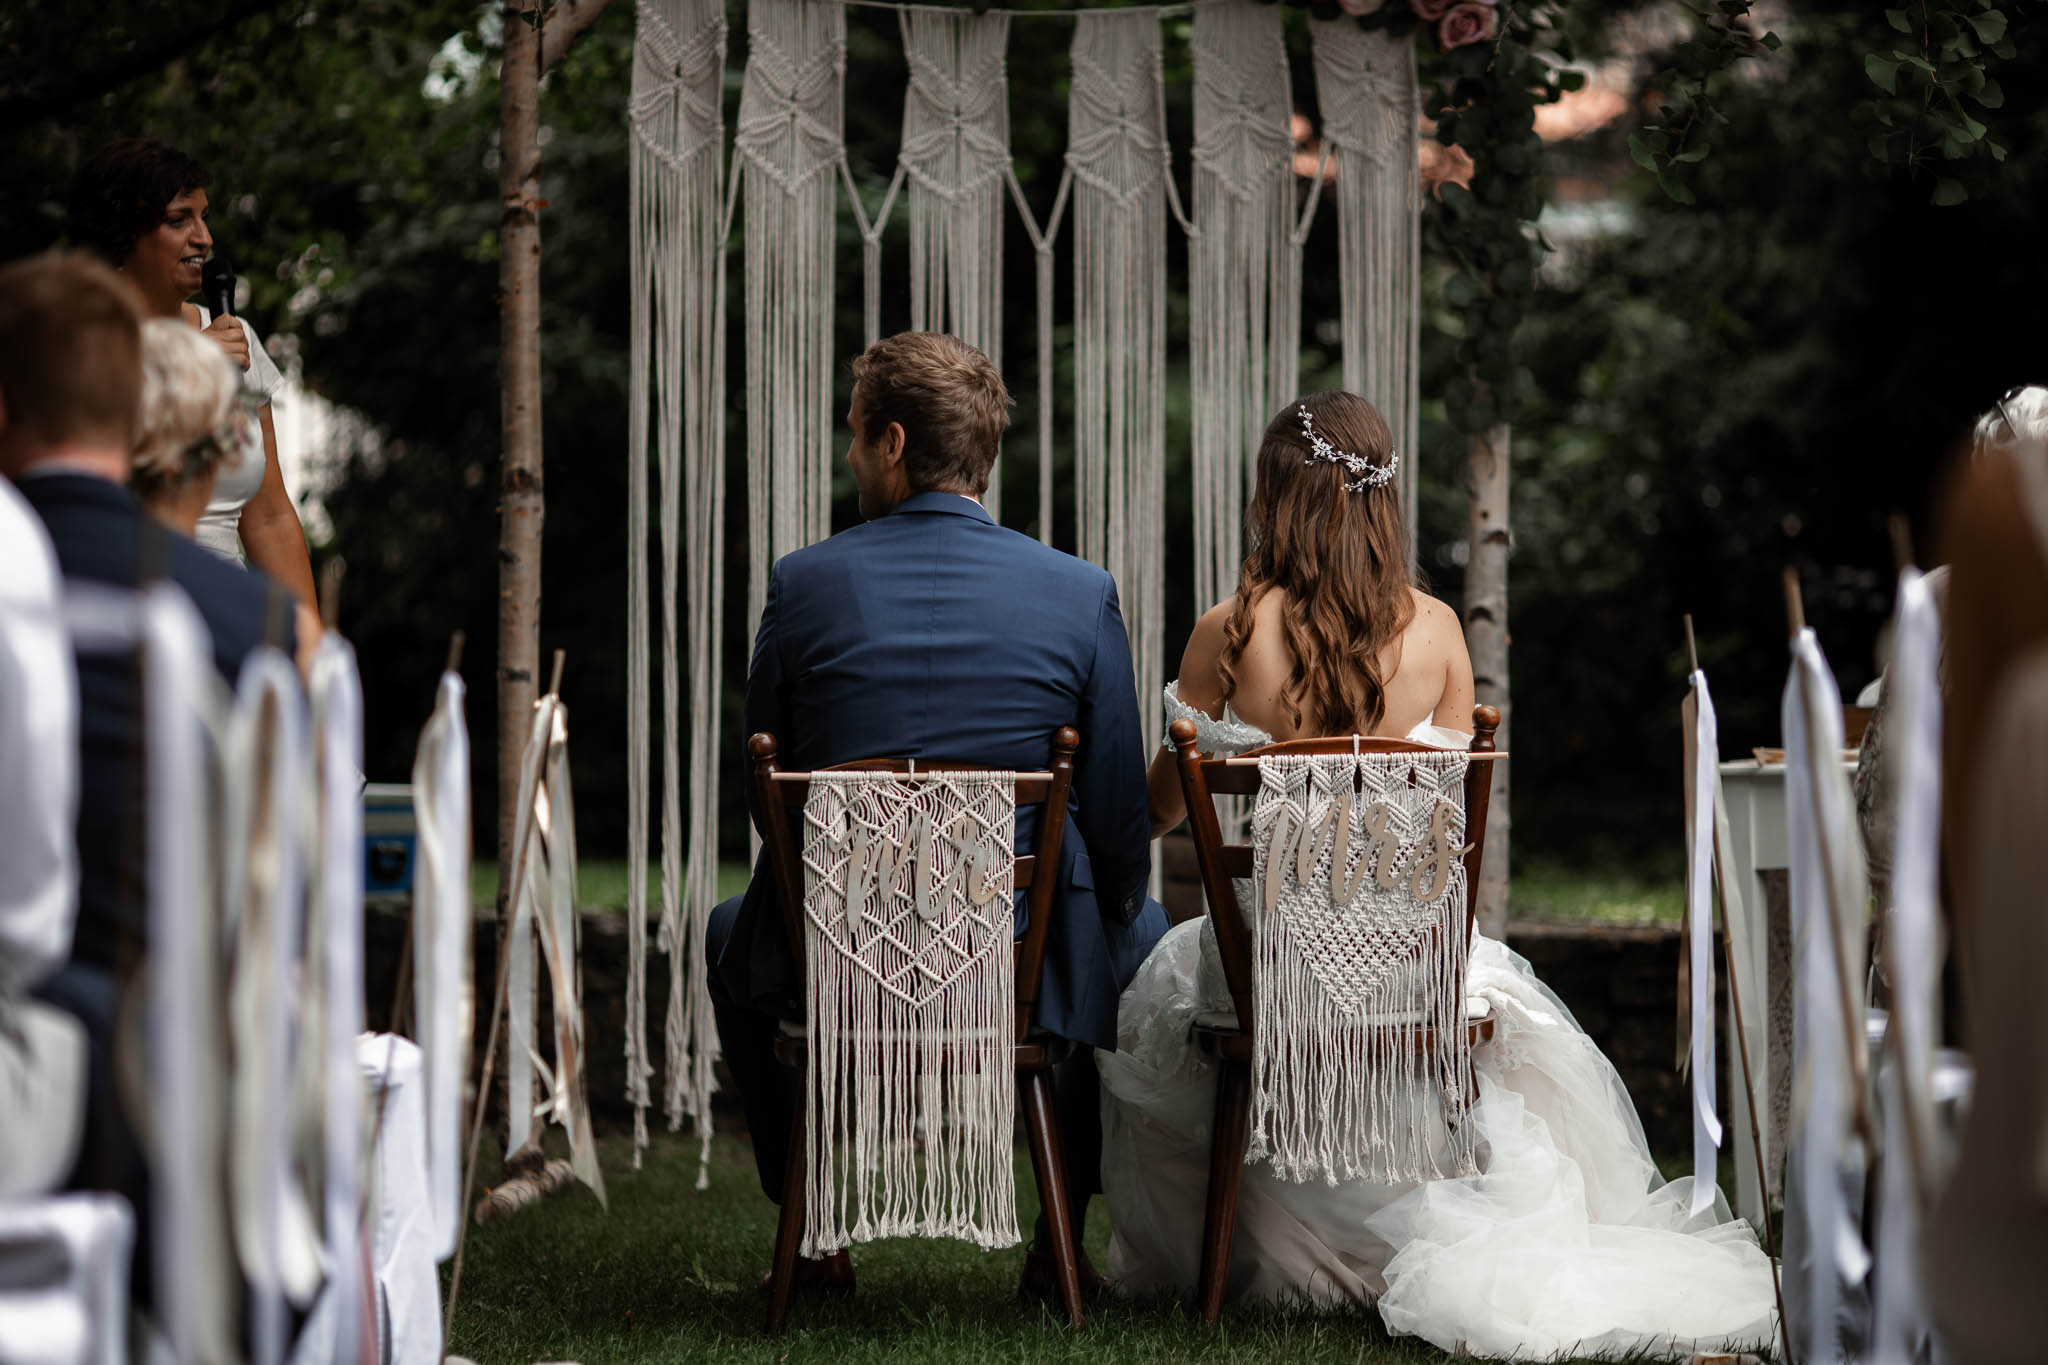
<point>1359,947</point>
<point>910,1005</point>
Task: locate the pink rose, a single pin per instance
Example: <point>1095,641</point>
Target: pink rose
<point>1469,21</point>
<point>1429,11</point>
<point>1441,165</point>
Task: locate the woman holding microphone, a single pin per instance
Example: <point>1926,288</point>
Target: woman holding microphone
<point>142,206</point>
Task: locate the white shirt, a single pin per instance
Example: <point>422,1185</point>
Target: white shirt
<point>38,753</point>
<point>241,476</point>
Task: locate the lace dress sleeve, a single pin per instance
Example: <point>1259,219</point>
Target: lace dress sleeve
<point>1222,738</point>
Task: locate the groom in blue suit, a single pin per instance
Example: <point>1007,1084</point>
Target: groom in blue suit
<point>929,631</point>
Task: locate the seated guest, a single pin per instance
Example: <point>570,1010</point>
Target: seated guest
<point>192,421</point>
<point>42,1050</point>
<point>70,385</point>
<point>1989,1239</point>
<point>932,632</point>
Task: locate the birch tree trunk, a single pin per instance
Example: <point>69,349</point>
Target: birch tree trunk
<point>1486,636</point>
<point>535,40</point>
<point>521,506</point>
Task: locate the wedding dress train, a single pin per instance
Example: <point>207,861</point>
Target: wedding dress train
<point>1568,1242</point>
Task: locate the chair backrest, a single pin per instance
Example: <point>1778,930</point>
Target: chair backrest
<point>1204,779</point>
<point>1034,873</point>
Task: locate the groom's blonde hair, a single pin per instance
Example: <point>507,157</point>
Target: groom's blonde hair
<point>949,400</point>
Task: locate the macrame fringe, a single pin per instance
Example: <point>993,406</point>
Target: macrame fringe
<point>1243,320</point>
<point>910,1113</point>
<point>678,259</point>
<point>1360,1066</point>
<point>1366,85</point>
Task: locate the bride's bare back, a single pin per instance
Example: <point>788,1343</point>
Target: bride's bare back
<point>1426,672</point>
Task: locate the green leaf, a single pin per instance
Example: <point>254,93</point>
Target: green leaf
<point>1991,94</point>
<point>1640,153</point>
<point>1772,42</point>
<point>1970,130</point>
<point>1883,74</point>
<point>1692,154</point>
<point>1674,188</point>
<point>1898,20</point>
<point>1997,149</point>
<point>1459,291</point>
<point>1990,25</point>
<point>1948,193</point>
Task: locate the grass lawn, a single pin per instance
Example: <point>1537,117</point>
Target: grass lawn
<point>1548,891</point>
<point>669,1274</point>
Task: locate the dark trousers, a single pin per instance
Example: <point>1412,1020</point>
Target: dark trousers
<point>770,1091</point>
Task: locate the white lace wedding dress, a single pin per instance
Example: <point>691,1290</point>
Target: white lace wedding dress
<point>1569,1242</point>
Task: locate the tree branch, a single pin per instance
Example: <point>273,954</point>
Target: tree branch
<point>18,110</point>
<point>564,24</point>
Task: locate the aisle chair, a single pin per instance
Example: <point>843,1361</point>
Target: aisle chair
<point>1035,1051</point>
<point>1227,1037</point>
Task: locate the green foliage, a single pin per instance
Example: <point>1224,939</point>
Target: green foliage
<point>1929,78</point>
<point>1677,136</point>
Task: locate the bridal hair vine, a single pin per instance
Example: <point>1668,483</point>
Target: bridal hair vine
<point>1320,451</point>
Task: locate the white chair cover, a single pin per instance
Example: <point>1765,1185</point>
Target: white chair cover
<point>64,1280</point>
<point>1359,948</point>
<point>403,1221</point>
<point>910,1002</point>
<point>444,990</point>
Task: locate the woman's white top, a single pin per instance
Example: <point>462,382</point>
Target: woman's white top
<point>241,477</point>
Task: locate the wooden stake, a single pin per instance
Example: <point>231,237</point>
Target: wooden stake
<point>331,574</point>
<point>555,680</point>
<point>1795,606</point>
<point>1692,646</point>
<point>1902,542</point>
<point>455,643</point>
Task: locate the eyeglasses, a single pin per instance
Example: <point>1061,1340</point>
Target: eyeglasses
<point>2006,397</point>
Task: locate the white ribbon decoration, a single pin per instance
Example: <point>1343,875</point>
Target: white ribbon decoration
<point>338,749</point>
<point>444,995</point>
<point>1699,894</point>
<point>1912,1168</point>
<point>1823,1048</point>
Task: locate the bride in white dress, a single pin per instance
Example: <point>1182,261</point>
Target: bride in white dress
<point>1569,1241</point>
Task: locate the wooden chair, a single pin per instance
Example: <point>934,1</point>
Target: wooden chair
<point>1229,1043</point>
<point>1036,1051</point>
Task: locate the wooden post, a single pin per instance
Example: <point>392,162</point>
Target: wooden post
<point>1486,636</point>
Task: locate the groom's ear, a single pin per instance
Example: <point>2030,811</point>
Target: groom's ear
<point>893,443</point>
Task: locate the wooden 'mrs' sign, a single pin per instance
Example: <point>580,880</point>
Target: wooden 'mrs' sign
<point>1299,842</point>
<point>875,862</point>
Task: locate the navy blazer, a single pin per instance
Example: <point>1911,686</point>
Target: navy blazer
<point>97,529</point>
<point>932,632</point>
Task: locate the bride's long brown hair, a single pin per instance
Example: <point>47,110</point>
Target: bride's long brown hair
<point>1339,558</point>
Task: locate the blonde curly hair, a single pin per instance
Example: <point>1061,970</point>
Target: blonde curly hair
<point>191,415</point>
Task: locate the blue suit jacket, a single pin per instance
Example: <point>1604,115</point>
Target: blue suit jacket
<point>97,529</point>
<point>935,633</point>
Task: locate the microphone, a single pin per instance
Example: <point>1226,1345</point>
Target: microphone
<point>217,283</point>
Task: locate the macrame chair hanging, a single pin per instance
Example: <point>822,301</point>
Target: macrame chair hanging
<point>680,221</point>
<point>1359,948</point>
<point>909,1008</point>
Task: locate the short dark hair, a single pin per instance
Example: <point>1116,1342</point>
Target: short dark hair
<point>121,191</point>
<point>70,350</point>
<point>949,400</point>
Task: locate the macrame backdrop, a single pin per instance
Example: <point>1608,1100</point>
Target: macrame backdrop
<point>1245,331</point>
<point>956,152</point>
<point>1116,149</point>
<point>1358,948</point>
<point>910,1006</point>
<point>1366,84</point>
<point>1245,249</point>
<point>679,225</point>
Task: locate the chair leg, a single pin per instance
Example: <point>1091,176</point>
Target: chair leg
<point>1226,1172</point>
<point>789,1228</point>
<point>1048,1162</point>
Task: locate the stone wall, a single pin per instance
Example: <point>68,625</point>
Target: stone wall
<point>1621,983</point>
